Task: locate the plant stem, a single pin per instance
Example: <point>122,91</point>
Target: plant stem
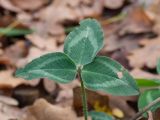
<point>84,97</point>
<point>140,113</point>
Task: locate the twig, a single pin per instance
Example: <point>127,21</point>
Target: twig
<point>140,113</point>
<point>114,19</point>
<point>150,115</point>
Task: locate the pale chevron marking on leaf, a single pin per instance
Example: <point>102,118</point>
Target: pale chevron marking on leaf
<point>53,66</point>
<point>101,74</point>
<point>88,36</point>
<point>110,82</point>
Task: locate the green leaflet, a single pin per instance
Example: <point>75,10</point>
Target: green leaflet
<point>108,75</point>
<point>54,66</point>
<point>84,42</point>
<point>100,116</point>
<point>14,32</point>
<point>147,97</point>
<point>144,82</point>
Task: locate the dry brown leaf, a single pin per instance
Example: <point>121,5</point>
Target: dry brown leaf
<point>58,12</point>
<point>113,4</point>
<point>15,52</point>
<point>9,6</point>
<point>154,11</point>
<point>65,96</point>
<point>137,21</point>
<point>9,112</point>
<point>8,100</point>
<point>70,85</point>
<point>49,85</point>
<point>42,110</point>
<point>146,56</point>
<point>100,101</point>
<point>18,5</point>
<point>113,43</point>
<point>7,79</point>
<point>43,43</point>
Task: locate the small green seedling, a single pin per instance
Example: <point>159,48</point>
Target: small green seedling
<point>79,58</point>
<point>149,100</point>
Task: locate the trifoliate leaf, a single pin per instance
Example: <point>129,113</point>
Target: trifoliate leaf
<point>109,76</point>
<point>83,43</point>
<point>147,97</point>
<point>54,66</point>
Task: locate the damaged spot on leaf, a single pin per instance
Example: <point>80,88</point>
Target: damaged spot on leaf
<point>120,75</point>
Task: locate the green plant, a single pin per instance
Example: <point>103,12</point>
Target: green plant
<point>79,58</point>
<point>149,100</point>
<point>100,116</point>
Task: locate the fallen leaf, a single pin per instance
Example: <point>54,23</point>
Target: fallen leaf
<point>27,5</point>
<point>66,10</point>
<point>114,42</point>
<point>8,112</point>
<point>8,100</point>
<point>9,6</point>
<point>7,80</point>
<point>43,43</point>
<point>65,96</point>
<point>42,110</point>
<point>147,55</point>
<point>27,94</point>
<point>113,4</point>
<point>49,85</point>
<point>136,22</point>
<point>15,52</point>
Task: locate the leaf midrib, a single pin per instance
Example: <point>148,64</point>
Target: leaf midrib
<point>99,74</point>
<point>52,69</point>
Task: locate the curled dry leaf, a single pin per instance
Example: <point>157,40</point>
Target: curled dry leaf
<point>42,110</point>
<point>147,55</point>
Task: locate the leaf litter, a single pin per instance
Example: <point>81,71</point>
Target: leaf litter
<point>135,37</point>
